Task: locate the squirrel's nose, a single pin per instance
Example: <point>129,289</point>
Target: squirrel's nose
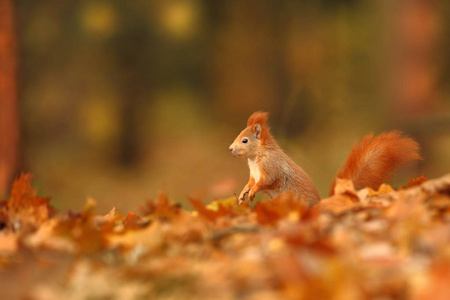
<point>231,148</point>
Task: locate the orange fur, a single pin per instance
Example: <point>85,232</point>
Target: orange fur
<point>273,172</point>
<point>260,118</point>
<point>371,160</point>
<point>257,117</point>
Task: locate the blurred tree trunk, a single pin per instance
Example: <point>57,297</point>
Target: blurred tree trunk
<point>131,48</point>
<point>245,70</point>
<point>413,36</point>
<point>9,127</point>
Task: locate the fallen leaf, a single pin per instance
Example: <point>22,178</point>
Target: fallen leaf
<point>344,186</point>
<point>391,245</point>
<point>415,182</point>
<point>161,208</point>
<point>133,221</point>
<point>338,204</point>
<point>25,211</point>
<point>440,185</point>
<point>208,214</point>
<point>269,212</point>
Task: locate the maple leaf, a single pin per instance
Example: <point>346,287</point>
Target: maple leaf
<point>209,214</point>
<point>133,221</point>
<point>25,210</point>
<point>338,204</point>
<point>86,229</point>
<point>344,186</point>
<point>415,182</point>
<point>344,198</point>
<point>230,204</point>
<point>227,203</point>
<point>269,212</point>
<point>48,236</point>
<point>161,208</point>
<point>151,237</point>
<point>390,244</point>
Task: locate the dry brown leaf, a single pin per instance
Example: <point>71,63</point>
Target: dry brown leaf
<point>393,245</point>
<point>230,204</point>
<point>338,204</point>
<point>133,221</point>
<point>440,185</point>
<point>285,206</point>
<point>151,237</point>
<point>85,229</point>
<point>415,182</point>
<point>385,189</point>
<point>161,208</point>
<point>25,211</point>
<point>47,237</point>
<point>344,186</point>
<point>209,214</point>
<point>109,218</point>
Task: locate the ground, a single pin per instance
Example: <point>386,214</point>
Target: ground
<point>385,244</point>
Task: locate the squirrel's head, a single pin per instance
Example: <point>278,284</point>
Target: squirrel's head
<point>253,137</point>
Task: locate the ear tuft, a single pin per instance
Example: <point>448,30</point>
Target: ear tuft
<point>258,117</point>
<point>257,123</point>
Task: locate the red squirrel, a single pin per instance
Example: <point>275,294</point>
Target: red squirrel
<point>273,172</point>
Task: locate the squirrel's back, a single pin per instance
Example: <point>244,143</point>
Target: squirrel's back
<point>287,176</point>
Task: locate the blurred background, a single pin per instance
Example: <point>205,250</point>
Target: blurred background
<point>117,100</point>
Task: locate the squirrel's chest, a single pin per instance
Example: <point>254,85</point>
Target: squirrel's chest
<point>255,172</point>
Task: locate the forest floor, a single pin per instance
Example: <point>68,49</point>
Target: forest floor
<point>366,244</point>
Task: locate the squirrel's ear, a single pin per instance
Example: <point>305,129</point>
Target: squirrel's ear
<point>257,130</point>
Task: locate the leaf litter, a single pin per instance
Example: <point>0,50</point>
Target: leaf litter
<point>366,244</point>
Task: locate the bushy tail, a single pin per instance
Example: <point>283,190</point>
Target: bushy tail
<point>370,161</point>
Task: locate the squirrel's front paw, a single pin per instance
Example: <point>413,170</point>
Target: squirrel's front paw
<point>243,194</point>
<point>251,196</point>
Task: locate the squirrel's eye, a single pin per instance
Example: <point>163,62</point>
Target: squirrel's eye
<point>245,140</point>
